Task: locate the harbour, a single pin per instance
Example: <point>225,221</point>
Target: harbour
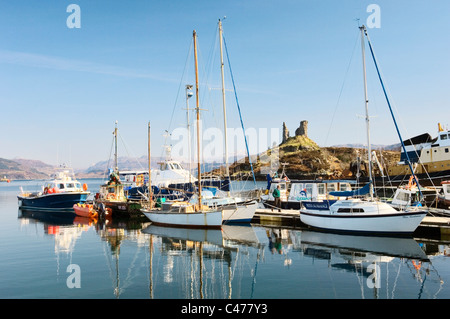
<point>207,201</point>
<point>131,259</point>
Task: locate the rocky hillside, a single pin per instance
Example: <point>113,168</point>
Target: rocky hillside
<point>302,158</point>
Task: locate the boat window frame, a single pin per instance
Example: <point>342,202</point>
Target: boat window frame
<point>350,210</point>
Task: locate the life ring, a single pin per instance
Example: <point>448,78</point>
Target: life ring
<point>111,196</point>
<point>85,187</point>
<point>411,183</point>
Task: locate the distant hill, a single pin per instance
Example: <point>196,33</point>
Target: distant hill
<point>393,147</point>
<point>24,169</point>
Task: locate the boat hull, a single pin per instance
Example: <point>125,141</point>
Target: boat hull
<point>364,217</point>
<point>121,208</point>
<point>240,213</point>
<point>86,211</point>
<point>234,210</point>
<point>397,223</point>
<point>209,219</point>
<point>59,202</point>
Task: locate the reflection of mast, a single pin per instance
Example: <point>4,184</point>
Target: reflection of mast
<point>201,270</point>
<point>151,266</point>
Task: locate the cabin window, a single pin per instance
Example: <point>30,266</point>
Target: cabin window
<point>61,186</point>
<point>321,189</point>
<point>443,136</point>
<point>331,187</point>
<point>309,189</point>
<point>403,197</point>
<point>446,150</point>
<point>346,187</point>
<point>70,185</point>
<point>350,210</point>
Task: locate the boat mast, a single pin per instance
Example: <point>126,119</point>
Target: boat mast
<point>227,169</point>
<point>366,102</point>
<point>116,166</point>
<point>188,96</point>
<point>150,193</point>
<point>198,123</point>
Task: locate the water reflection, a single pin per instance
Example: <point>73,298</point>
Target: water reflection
<point>148,261</point>
<point>366,256</point>
<point>205,263</point>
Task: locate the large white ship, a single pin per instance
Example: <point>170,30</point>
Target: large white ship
<point>429,156</point>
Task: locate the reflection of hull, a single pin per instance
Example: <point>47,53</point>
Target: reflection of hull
<point>60,202</point>
<point>209,219</point>
<point>213,236</point>
<point>54,218</point>
<point>237,234</point>
<point>386,246</point>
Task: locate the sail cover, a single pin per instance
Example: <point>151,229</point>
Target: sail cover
<point>357,192</point>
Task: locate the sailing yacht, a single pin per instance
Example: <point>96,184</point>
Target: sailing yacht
<point>236,207</point>
<point>365,215</point>
<point>182,213</point>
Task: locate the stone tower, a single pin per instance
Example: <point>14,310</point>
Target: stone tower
<point>285,133</point>
<point>302,130</point>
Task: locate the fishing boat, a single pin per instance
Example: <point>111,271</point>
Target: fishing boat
<point>297,194</point>
<point>429,156</point>
<point>184,214</point>
<point>366,215</point>
<point>58,194</point>
<point>85,210</point>
<point>112,194</point>
<point>444,195</point>
<point>5,179</point>
<point>410,195</point>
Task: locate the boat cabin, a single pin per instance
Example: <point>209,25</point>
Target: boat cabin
<point>113,192</point>
<point>307,190</point>
<point>63,183</point>
<point>62,186</point>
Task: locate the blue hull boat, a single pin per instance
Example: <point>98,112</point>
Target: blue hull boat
<point>58,195</point>
<point>61,202</point>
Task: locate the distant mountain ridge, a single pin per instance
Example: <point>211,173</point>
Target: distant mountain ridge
<point>306,159</point>
<point>393,147</point>
<point>24,169</point>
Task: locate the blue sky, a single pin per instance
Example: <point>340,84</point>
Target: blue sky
<point>62,89</point>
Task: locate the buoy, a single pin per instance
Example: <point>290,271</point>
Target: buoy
<point>85,187</point>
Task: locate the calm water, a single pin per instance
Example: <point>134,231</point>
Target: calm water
<point>44,256</point>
